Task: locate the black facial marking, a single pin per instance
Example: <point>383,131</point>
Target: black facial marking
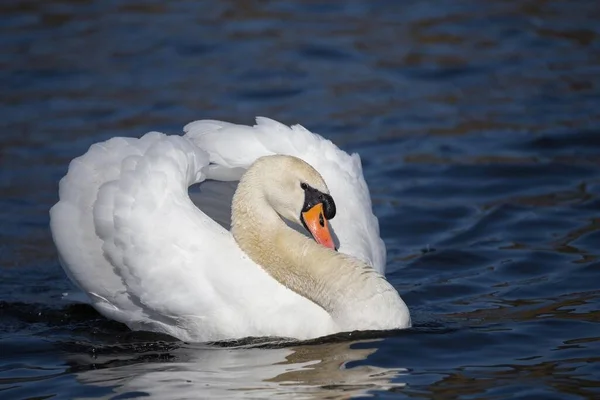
<point>313,197</point>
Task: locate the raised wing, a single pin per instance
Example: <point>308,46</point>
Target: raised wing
<point>73,226</point>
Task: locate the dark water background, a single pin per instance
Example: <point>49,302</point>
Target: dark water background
<point>478,124</point>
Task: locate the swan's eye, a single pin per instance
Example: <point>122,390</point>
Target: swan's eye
<point>303,185</point>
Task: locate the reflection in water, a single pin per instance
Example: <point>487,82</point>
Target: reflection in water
<point>315,371</point>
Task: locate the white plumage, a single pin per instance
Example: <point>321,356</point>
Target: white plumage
<point>130,237</point>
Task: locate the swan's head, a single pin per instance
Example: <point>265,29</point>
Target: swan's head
<point>298,193</point>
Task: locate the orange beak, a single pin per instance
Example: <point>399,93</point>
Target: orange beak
<point>316,223</point>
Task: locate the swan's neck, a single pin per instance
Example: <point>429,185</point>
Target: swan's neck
<point>348,289</point>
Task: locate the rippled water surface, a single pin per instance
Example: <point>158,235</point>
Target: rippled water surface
<point>478,125</point>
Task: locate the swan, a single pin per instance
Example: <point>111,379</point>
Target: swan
<point>279,241</point>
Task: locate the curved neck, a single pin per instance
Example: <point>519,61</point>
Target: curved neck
<point>340,284</point>
<point>270,243</point>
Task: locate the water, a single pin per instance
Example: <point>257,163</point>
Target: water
<point>479,128</point>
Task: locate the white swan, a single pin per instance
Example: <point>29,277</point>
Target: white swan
<point>130,237</point>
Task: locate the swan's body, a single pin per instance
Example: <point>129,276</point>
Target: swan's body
<point>130,237</point>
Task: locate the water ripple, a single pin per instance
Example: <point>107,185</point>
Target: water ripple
<point>477,124</point>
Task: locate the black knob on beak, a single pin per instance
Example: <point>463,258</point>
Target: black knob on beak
<point>313,197</point>
<point>328,206</point>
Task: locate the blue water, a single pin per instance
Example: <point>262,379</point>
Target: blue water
<point>479,128</point>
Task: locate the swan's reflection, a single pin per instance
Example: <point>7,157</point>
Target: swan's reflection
<point>315,371</point>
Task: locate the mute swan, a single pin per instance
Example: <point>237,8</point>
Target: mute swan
<point>130,237</point>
